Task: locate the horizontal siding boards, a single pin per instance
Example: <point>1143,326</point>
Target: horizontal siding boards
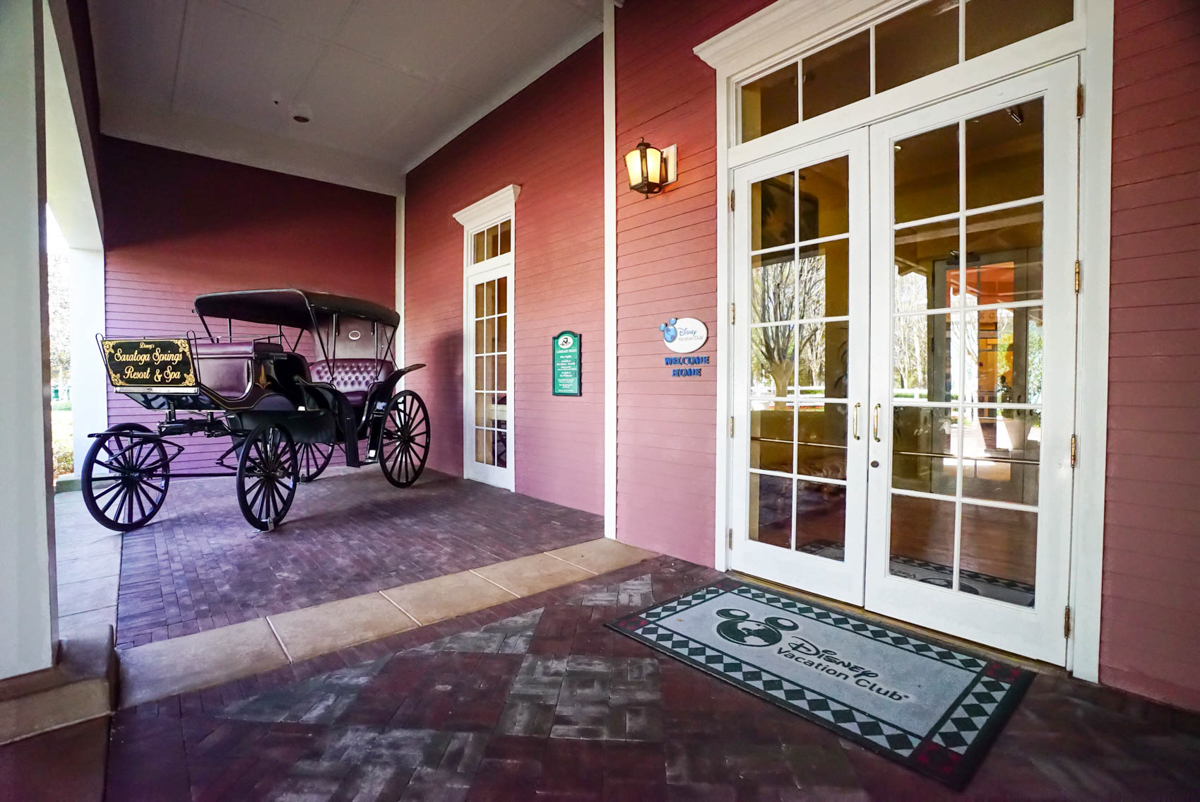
<point>667,267</point>
<point>1151,608</point>
<point>549,140</point>
<point>177,226</point>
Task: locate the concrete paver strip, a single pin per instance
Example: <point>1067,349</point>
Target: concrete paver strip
<point>525,576</point>
<point>337,625</point>
<point>192,662</point>
<point>602,555</point>
<point>162,669</point>
<point>446,597</point>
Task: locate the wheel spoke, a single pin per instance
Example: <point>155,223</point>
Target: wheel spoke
<point>115,484</point>
<point>117,497</point>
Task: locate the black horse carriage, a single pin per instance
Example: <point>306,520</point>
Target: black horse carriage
<point>284,414</point>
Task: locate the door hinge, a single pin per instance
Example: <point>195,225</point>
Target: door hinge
<point>1072,451</point>
<point>731,200</point>
<point>1067,622</point>
<point>1078,276</point>
<point>729,539</point>
<point>1079,101</point>
<point>731,426</point>
<point>732,314</point>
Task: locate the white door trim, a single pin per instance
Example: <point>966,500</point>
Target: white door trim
<point>787,28</point>
<point>610,271</point>
<point>500,205</point>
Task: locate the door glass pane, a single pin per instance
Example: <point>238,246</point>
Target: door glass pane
<point>773,212</point>
<point>490,298</point>
<point>501,449</point>
<point>773,287</point>
<point>1004,155</point>
<point>998,557</point>
<point>480,408</point>
<point>821,519</point>
<point>837,76</point>
<point>1004,356</point>
<point>502,295</point>
<point>821,437</point>
<point>481,452</point>
<point>916,43</point>
<point>926,177</point>
<point>480,374</point>
<point>924,450</point>
<point>772,435</point>
<point>825,199</point>
<point>771,510</point>
<point>925,351</point>
<point>773,361</point>
<point>921,546</point>
<point>1004,255</point>
<point>770,103</point>
<point>823,358</point>
<point>926,259</point>
<point>824,280</point>
<point>480,336</point>
<point>1001,452</point>
<point>992,24</point>
<point>502,372</point>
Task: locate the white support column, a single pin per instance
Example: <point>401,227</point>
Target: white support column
<point>89,385</point>
<point>400,356</point>
<point>27,596</point>
<point>610,271</point>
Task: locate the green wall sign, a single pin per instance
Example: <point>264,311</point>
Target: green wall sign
<point>566,378</point>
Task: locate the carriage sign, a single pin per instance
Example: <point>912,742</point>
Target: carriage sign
<point>163,364</point>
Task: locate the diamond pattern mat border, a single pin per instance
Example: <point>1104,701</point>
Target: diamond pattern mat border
<point>950,751</point>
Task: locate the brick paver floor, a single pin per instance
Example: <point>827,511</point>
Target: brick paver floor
<point>199,565</point>
<point>535,699</point>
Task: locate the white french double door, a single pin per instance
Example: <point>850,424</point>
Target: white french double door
<point>903,364</point>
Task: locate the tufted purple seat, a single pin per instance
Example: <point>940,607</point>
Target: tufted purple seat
<point>228,368</point>
<point>354,377</point>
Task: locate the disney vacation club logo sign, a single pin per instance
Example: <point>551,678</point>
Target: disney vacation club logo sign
<point>739,628</point>
<point>683,335</point>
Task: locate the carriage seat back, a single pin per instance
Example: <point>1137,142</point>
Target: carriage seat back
<point>353,377</point>
<point>227,369</point>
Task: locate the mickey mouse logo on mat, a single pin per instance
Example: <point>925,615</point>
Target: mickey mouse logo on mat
<point>739,628</point>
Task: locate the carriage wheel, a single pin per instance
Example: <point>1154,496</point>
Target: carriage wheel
<point>267,476</point>
<point>125,479</point>
<point>314,459</point>
<point>404,444</point>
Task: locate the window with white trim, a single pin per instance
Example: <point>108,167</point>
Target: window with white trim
<point>918,41</point>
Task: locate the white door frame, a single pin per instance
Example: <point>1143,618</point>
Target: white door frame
<point>840,580</point>
<point>788,28</point>
<point>500,205</point>
<point>1035,632</point>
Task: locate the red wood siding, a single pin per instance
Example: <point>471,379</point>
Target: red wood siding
<point>178,225</point>
<point>549,140</point>
<point>1151,608</point>
<point>667,267</point>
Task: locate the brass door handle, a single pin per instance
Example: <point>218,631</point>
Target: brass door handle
<point>856,408</point>
<point>875,428</point>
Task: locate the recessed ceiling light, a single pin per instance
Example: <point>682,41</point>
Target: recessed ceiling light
<point>301,113</point>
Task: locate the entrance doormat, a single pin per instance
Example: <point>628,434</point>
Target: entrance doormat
<point>933,708</point>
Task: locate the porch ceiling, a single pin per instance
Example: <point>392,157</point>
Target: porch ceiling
<point>385,82</point>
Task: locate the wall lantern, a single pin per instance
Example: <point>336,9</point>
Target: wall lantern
<point>650,169</point>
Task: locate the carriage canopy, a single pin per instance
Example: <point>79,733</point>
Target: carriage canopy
<point>292,308</point>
